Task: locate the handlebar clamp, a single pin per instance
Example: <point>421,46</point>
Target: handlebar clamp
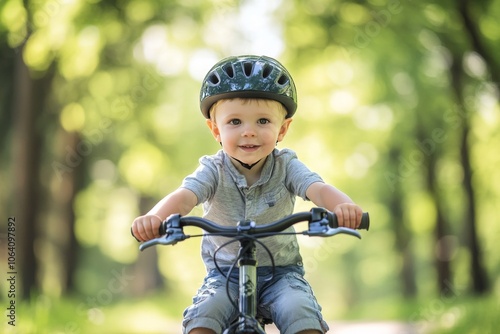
<point>173,229</point>
<point>319,223</point>
<point>245,226</point>
<point>171,232</point>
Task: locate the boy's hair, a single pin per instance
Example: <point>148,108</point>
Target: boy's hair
<point>281,107</point>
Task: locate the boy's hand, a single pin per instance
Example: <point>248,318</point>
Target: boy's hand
<point>348,215</point>
<point>146,227</point>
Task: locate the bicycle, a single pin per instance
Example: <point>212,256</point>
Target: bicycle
<point>321,223</point>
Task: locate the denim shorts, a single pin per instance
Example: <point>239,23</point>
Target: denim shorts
<point>285,298</point>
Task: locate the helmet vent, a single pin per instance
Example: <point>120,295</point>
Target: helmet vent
<point>229,70</point>
<point>283,79</point>
<point>247,68</point>
<point>266,71</point>
<point>214,79</point>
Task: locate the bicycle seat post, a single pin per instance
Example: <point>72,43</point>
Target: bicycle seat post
<point>248,283</point>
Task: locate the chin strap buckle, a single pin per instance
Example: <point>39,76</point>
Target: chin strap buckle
<point>247,166</point>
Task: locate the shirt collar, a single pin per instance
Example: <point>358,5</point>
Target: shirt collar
<point>239,178</point>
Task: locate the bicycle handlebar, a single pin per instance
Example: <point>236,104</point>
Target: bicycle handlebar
<point>321,223</point>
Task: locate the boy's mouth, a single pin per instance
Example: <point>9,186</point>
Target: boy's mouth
<point>249,147</point>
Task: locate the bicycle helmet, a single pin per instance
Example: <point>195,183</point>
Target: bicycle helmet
<point>248,76</point>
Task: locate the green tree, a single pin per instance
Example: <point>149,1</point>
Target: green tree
<point>407,61</point>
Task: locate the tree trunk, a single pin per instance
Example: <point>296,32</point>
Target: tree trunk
<point>403,235</point>
<point>26,162</point>
<point>61,227</point>
<point>472,30</point>
<point>442,250</point>
<point>7,66</point>
<point>480,284</point>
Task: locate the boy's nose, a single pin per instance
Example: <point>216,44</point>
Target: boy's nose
<point>248,131</point>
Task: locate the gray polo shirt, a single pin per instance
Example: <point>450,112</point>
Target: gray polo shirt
<point>227,199</point>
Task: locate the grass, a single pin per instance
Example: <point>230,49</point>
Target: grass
<point>471,316</point>
<point>44,315</point>
<point>445,315</point>
<point>159,314</point>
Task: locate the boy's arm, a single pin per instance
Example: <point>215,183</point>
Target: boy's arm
<point>324,195</point>
<point>180,201</point>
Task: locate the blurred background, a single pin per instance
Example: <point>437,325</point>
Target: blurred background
<point>398,107</point>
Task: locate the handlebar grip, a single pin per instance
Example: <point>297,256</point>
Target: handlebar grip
<point>364,225</point>
<point>365,222</point>
<point>163,227</point>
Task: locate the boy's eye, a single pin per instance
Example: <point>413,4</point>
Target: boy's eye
<point>235,122</point>
<point>263,121</point>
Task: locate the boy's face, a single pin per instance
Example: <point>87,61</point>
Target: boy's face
<point>248,129</point>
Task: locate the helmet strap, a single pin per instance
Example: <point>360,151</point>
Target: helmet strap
<point>247,166</point>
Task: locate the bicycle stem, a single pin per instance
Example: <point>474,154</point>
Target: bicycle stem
<point>248,286</point>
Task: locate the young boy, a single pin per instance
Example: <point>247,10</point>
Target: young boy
<point>248,102</point>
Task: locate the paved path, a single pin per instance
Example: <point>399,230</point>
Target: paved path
<point>337,327</point>
<point>367,327</point>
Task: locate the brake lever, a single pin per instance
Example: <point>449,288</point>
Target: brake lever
<point>172,237</point>
<point>321,228</point>
<point>341,230</point>
<point>328,232</point>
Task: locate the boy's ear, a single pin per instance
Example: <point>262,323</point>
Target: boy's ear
<point>214,129</point>
<point>284,128</point>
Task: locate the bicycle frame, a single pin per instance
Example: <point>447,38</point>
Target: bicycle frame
<point>247,322</point>
<point>321,223</point>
